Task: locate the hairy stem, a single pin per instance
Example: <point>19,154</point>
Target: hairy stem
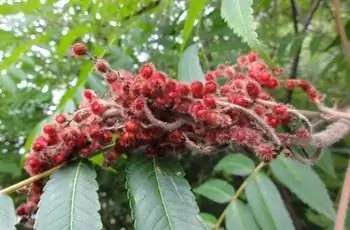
<point>344,202</point>
<point>236,195</point>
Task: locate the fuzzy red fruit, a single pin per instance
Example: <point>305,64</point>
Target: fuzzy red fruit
<point>147,70</point>
<point>272,121</point>
<point>111,77</point>
<point>201,114</point>
<point>131,126</point>
<point>176,136</point>
<point>39,145</point>
<point>101,66</point>
<point>96,107</point>
<point>252,57</point>
<point>49,129</point>
<point>151,151</point>
<point>210,87</point>
<point>209,76</point>
<point>58,159</point>
<point>209,102</point>
<point>60,119</point>
<point>197,89</point>
<point>253,90</point>
<point>183,89</point>
<point>79,49</point>
<point>21,210</point>
<point>126,140</point>
<point>272,84</point>
<point>89,94</point>
<point>280,111</point>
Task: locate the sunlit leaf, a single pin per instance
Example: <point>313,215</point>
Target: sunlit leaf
<point>189,68</point>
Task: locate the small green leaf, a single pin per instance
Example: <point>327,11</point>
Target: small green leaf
<point>208,220</point>
<point>160,197</point>
<point>235,164</point>
<point>189,69</point>
<point>194,10</point>
<point>305,183</point>
<point>24,7</point>
<point>239,216</point>
<point>9,167</point>
<point>70,200</point>
<point>216,190</point>
<point>7,213</point>
<point>7,83</point>
<point>267,204</point>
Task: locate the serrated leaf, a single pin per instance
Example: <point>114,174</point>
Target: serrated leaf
<point>239,216</point>
<point>208,220</point>
<point>7,213</point>
<point>238,15</point>
<point>303,181</point>
<point>160,197</point>
<point>194,10</point>
<point>267,204</point>
<point>216,190</point>
<point>70,200</point>
<point>189,68</point>
<point>67,40</point>
<point>235,164</point>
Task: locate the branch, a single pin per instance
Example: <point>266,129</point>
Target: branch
<point>294,15</point>
<point>295,63</point>
<point>344,201</point>
<point>340,29</point>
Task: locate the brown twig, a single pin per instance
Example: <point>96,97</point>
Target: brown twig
<point>340,29</point>
<point>344,202</point>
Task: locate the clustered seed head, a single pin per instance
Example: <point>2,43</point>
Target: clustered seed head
<point>152,111</point>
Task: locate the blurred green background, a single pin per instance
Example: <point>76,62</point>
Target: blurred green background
<point>38,78</point>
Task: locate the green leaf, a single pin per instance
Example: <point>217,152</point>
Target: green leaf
<point>9,167</point>
<point>208,220</point>
<point>267,204</point>
<point>305,183</point>
<point>24,7</point>
<point>20,50</point>
<point>70,200</point>
<point>189,69</point>
<point>194,10</point>
<point>238,15</point>
<point>67,40</point>
<point>7,213</point>
<point>239,216</point>
<point>160,197</point>
<point>235,164</point>
<point>216,190</point>
<point>7,83</point>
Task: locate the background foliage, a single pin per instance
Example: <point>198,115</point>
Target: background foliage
<point>38,79</point>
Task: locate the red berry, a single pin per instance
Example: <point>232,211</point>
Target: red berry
<point>272,121</point>
<point>201,114</point>
<point>60,119</point>
<point>253,90</point>
<point>111,77</point>
<point>209,102</point>
<point>210,87</point>
<point>147,70</point>
<point>272,84</point>
<point>252,56</point>
<point>49,129</point>
<point>131,126</point>
<point>101,66</point>
<point>127,139</point>
<point>39,145</point>
<point>79,49</point>
<point>280,111</point>
<point>183,89</point>
<point>176,136</point>
<point>58,159</point>
<point>209,76</point>
<point>97,107</point>
<point>89,94</point>
<point>151,151</point>
<point>197,89</point>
